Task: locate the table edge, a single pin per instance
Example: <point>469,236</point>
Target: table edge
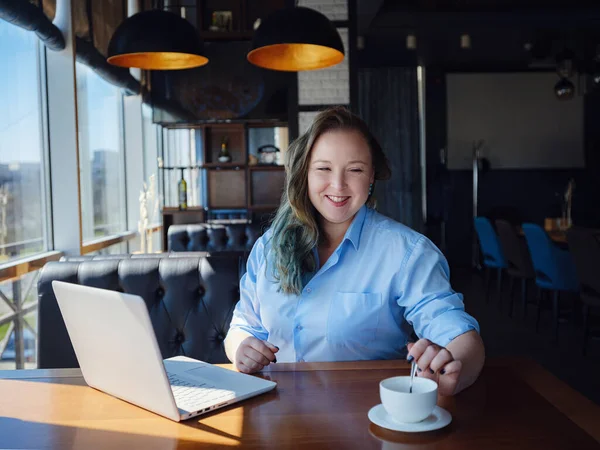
<point>575,406</point>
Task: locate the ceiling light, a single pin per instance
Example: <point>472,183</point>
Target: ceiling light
<point>296,39</point>
<point>156,40</point>
<point>564,89</point>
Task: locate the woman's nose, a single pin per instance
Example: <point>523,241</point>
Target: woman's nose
<point>338,181</point>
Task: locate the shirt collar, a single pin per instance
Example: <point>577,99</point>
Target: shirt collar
<point>355,229</point>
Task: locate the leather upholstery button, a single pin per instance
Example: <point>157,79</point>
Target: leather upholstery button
<point>220,337</point>
<point>160,292</point>
<point>201,291</point>
<point>179,337</point>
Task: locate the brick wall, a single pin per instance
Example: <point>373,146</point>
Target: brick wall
<point>304,120</point>
<point>333,9</point>
<point>330,86</point>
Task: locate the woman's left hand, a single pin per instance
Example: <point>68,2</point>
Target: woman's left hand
<point>436,363</point>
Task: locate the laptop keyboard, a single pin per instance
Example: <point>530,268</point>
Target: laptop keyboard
<point>198,396</point>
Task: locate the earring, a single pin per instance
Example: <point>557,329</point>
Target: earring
<point>370,188</point>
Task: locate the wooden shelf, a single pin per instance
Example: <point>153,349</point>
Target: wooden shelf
<point>225,166</point>
<point>214,123</point>
<point>244,14</point>
<point>179,167</point>
<point>227,35</point>
<point>235,135</point>
<point>270,123</point>
<point>190,210</point>
<point>263,207</point>
<point>267,167</point>
<point>220,208</point>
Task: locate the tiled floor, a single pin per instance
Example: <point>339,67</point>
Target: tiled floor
<point>505,336</point>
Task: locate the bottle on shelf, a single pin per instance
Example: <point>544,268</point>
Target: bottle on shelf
<point>182,190</point>
<point>224,155</point>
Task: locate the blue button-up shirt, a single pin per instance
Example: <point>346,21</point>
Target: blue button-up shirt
<point>360,305</point>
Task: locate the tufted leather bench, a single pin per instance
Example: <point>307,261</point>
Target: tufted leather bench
<point>212,238</point>
<point>190,300</point>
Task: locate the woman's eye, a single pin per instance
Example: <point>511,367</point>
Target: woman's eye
<point>322,168</point>
<point>356,170</point>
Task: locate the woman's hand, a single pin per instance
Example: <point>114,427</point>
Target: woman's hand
<point>436,363</point>
<point>253,354</point>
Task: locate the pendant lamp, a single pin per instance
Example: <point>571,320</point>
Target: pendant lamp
<point>296,39</point>
<point>564,89</point>
<point>156,40</point>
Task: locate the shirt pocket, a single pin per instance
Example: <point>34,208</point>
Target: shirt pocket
<point>353,318</point>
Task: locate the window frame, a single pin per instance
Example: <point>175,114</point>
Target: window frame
<point>97,243</point>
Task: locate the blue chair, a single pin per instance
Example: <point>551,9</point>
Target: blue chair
<point>518,259</point>
<point>554,269</point>
<point>493,256</point>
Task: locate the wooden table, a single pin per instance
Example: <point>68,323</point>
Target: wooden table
<point>558,236</point>
<point>515,404</point>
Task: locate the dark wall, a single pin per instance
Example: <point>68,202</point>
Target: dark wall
<point>439,200</point>
<point>518,116</point>
<point>395,123</point>
<point>518,195</point>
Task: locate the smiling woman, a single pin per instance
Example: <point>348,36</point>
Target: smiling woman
<point>339,183</point>
<point>331,170</point>
<point>333,280</point>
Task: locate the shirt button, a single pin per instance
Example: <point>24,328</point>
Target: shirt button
<point>308,290</point>
<point>300,360</point>
<point>298,327</point>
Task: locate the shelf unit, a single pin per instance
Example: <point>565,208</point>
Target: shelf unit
<point>243,16</point>
<point>226,35</point>
<point>252,190</point>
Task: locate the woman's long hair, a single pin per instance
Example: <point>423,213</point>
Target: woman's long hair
<point>295,227</point>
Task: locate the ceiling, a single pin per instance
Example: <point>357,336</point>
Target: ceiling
<point>504,34</point>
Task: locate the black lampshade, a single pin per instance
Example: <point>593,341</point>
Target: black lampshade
<point>156,40</point>
<point>295,39</point>
<point>564,89</point>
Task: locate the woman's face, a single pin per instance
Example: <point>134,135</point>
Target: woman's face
<point>339,174</point>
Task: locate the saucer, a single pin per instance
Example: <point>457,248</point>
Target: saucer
<point>439,418</point>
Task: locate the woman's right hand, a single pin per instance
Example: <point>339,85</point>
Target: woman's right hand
<point>253,354</point>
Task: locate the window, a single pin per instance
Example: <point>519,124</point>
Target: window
<point>24,217</point>
<point>182,154</point>
<point>151,135</point>
<point>101,155</point>
<point>18,323</point>
<point>24,223</point>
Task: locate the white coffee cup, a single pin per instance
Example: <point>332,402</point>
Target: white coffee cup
<point>403,406</point>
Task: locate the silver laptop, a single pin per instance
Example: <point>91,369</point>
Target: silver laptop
<point>118,354</point>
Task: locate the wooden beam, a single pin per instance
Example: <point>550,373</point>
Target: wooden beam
<point>99,244</point>
<point>14,270</point>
